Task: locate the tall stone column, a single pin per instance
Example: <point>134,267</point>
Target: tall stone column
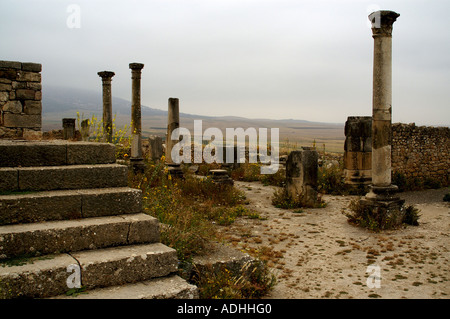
<point>173,122</point>
<point>137,161</point>
<point>382,193</point>
<point>107,104</point>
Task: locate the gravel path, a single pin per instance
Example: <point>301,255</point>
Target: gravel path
<point>317,254</point>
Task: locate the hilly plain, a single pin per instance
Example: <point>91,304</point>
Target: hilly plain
<point>60,102</point>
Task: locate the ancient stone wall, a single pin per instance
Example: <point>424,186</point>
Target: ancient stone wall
<point>20,100</point>
<point>421,152</point>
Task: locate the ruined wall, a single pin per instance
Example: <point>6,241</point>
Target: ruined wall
<point>20,100</point>
<point>421,152</point>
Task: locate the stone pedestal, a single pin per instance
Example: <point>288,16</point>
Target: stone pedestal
<point>107,105</point>
<point>301,175</point>
<point>68,128</point>
<point>136,158</point>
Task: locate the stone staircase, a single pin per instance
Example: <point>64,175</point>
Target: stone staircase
<point>66,213</point>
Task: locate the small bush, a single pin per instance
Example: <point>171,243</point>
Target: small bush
<point>379,218</point>
<point>446,197</point>
<point>330,180</point>
<point>282,199</point>
<point>253,280</point>
<point>411,216</point>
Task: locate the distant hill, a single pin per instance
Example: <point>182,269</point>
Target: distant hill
<point>61,102</point>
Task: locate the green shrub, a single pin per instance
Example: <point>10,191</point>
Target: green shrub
<point>380,218</point>
<point>411,215</point>
<point>446,197</point>
<point>252,280</point>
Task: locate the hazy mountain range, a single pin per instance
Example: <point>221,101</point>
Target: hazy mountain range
<point>63,102</point>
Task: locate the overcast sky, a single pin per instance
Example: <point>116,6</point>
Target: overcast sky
<point>275,59</point>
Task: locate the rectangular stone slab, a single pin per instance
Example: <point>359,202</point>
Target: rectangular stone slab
<point>54,153</point>
<point>68,204</point>
<point>74,235</point>
<point>37,278</point>
<point>126,264</point>
<point>72,177</point>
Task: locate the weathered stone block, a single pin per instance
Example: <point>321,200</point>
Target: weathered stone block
<point>41,206</point>
<point>13,107</point>
<point>72,177</point>
<point>127,264</point>
<point>90,153</point>
<point>301,175</point>
<point>25,76</point>
<point>25,94</point>
<point>4,96</point>
<point>21,120</point>
<point>8,74</point>
<point>14,154</point>
<point>33,85</point>
<point>37,279</point>
<point>111,201</point>
<point>34,67</point>
<point>32,107</point>
<point>8,179</point>
<point>74,235</point>
<point>5,87</point>
<point>11,65</point>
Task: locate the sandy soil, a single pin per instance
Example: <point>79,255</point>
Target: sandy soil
<point>317,254</point>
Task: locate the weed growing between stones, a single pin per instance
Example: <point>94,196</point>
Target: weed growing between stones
<point>282,199</point>
<point>378,219</point>
<point>252,280</point>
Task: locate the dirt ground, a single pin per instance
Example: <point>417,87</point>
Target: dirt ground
<point>316,253</point>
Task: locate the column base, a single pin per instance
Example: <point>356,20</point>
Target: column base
<point>384,206</point>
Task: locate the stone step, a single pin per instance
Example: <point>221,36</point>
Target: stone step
<point>62,177</point>
<point>49,275</point>
<point>45,238</point>
<point>15,153</point>
<point>170,287</point>
<point>68,204</point>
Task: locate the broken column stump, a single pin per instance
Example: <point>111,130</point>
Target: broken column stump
<point>358,150</point>
<point>301,176</point>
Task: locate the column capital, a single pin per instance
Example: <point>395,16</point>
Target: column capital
<point>382,22</point>
<point>106,75</point>
<point>136,66</point>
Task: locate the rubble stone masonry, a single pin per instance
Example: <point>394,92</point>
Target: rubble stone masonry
<point>421,152</point>
<point>20,100</point>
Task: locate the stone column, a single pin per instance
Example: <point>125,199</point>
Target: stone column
<point>107,104</point>
<point>136,158</point>
<point>382,22</point>
<point>382,193</point>
<point>173,122</point>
